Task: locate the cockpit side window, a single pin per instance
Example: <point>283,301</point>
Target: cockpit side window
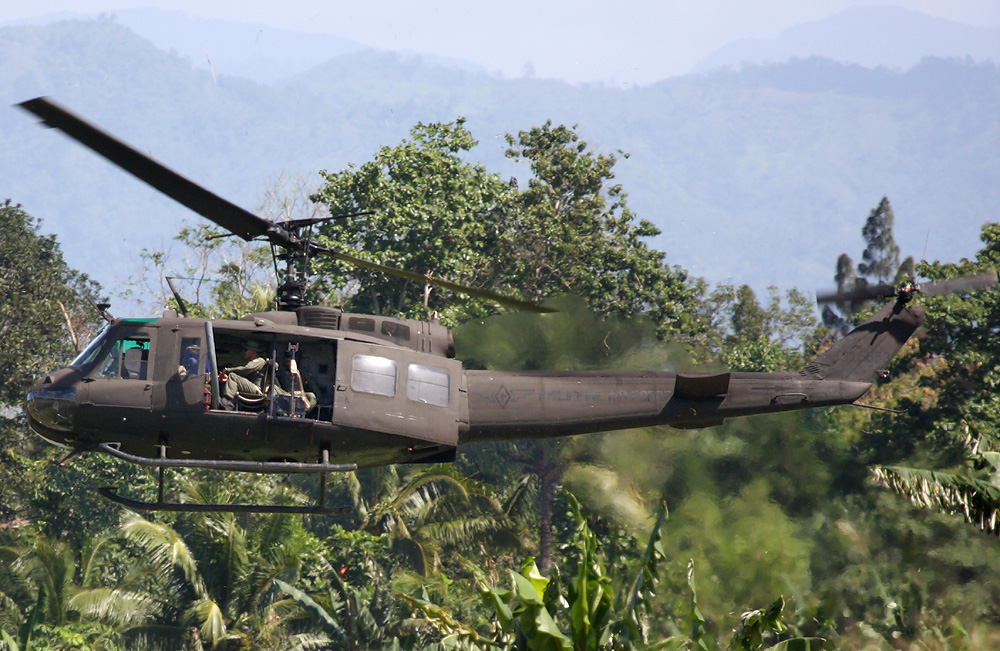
<point>128,359</point>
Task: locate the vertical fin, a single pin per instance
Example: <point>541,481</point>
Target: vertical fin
<point>864,354</point>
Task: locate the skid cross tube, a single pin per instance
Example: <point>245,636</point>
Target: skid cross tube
<point>162,463</point>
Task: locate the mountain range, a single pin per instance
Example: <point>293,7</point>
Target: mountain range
<point>760,174</point>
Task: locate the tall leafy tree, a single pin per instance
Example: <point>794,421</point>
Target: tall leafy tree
<point>574,233</point>
<point>46,317</point>
<point>880,264</point>
<point>45,311</point>
<point>434,213</point>
<point>566,230</point>
<point>880,259</point>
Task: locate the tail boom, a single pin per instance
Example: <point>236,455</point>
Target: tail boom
<point>507,406</point>
<point>541,404</point>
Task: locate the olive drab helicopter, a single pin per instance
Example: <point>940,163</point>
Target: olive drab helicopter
<point>344,391</point>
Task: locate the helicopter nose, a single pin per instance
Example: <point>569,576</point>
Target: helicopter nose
<point>50,409</point>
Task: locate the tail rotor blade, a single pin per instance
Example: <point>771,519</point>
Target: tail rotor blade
<point>858,294</point>
<point>960,285</point>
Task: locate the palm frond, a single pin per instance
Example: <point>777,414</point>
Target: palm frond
<point>310,604</point>
<point>976,499</point>
<point>459,531</point>
<point>116,607</point>
<point>166,548</point>
<point>309,642</point>
<point>91,556</point>
<point>207,616</point>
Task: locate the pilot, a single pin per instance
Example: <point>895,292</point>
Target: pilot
<point>247,379</point>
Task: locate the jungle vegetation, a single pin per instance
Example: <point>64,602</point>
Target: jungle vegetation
<point>836,529</point>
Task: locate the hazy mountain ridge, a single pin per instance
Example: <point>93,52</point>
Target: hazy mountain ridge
<point>876,36</point>
<point>762,175</point>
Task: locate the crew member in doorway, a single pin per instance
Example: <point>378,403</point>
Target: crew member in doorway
<point>247,379</point>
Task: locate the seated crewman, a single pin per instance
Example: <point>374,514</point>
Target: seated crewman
<point>292,382</point>
<point>247,379</point>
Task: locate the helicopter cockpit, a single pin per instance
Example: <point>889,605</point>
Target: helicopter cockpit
<point>128,357</point>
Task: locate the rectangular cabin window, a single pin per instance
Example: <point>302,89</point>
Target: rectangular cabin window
<point>372,374</point>
<point>128,359</point>
<point>427,384</point>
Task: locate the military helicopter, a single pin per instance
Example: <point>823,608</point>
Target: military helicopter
<point>373,390</point>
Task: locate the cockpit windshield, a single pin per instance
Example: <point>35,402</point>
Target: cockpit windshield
<point>86,358</point>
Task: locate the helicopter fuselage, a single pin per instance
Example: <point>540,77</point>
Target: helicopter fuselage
<point>374,390</point>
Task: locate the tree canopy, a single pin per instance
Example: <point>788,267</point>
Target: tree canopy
<point>566,230</point>
<point>46,314</point>
<point>763,531</point>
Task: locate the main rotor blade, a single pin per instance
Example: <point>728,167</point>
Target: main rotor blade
<point>519,304</point>
<point>213,207</point>
<point>207,204</point>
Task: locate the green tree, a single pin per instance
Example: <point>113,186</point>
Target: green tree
<point>567,231</point>
<point>881,255</point>
<point>746,336</point>
<point>573,233</point>
<point>880,264</point>
<point>434,214</point>
<point>46,315</point>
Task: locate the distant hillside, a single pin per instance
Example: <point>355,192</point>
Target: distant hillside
<point>763,175</point>
<point>258,52</point>
<point>874,37</point>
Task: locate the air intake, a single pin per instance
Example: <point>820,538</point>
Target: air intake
<point>317,316</point>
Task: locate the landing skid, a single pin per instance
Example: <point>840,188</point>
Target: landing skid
<point>184,507</point>
<point>163,462</point>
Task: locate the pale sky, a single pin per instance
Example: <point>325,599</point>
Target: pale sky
<point>632,41</point>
